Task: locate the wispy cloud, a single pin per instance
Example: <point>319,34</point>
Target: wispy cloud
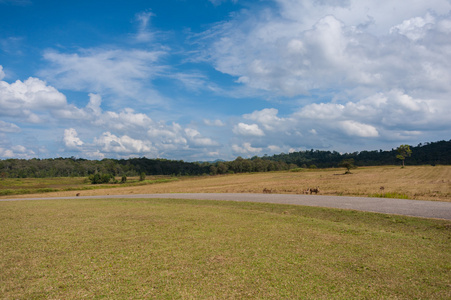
<point>144,32</point>
<point>124,73</point>
<point>9,127</point>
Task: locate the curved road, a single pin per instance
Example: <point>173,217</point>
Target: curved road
<point>416,208</point>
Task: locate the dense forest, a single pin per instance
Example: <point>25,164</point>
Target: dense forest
<point>435,153</point>
<point>429,153</point>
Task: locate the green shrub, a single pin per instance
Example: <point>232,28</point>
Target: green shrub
<point>142,176</point>
<point>6,192</point>
<point>100,178</point>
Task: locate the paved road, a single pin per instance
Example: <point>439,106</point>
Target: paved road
<point>416,208</point>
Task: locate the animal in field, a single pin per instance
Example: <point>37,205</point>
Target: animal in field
<point>78,194</point>
<point>314,190</point>
<point>267,191</point>
<point>307,191</point>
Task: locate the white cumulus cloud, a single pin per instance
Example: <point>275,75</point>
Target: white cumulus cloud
<point>248,130</point>
<point>245,149</point>
<point>71,139</point>
<point>29,100</point>
<point>358,129</point>
<point>344,51</point>
<point>17,151</point>
<point>267,118</point>
<point>414,28</point>
<point>111,143</point>
<point>198,140</point>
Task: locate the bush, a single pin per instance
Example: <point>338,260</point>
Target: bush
<point>142,176</point>
<point>100,178</point>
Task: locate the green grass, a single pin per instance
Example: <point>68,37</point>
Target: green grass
<point>389,195</point>
<point>24,186</point>
<point>188,249</point>
<point>6,192</point>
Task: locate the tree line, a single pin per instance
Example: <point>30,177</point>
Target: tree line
<point>428,153</point>
<point>434,153</point>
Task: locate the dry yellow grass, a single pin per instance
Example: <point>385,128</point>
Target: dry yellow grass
<point>414,182</point>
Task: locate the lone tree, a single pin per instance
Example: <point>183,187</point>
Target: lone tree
<point>142,176</point>
<point>348,164</point>
<point>404,151</point>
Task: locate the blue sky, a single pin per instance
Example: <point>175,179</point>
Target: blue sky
<point>205,80</point>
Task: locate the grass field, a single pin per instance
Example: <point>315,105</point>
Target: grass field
<point>185,249</point>
<point>26,186</point>
<point>412,182</point>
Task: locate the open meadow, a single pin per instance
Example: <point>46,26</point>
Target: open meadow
<point>412,182</point>
<point>193,249</point>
